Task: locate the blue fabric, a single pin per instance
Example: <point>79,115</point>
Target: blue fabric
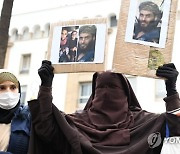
<point>88,57</point>
<point>167,130</point>
<point>21,121</point>
<point>20,131</point>
<point>149,36</point>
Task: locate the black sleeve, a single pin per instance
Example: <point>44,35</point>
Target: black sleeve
<point>44,124</point>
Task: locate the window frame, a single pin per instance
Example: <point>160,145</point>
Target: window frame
<point>24,68</point>
<point>82,99</point>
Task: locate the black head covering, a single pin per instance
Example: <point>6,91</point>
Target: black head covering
<point>108,111</point>
<point>132,100</point>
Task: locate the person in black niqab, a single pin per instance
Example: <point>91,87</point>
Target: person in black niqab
<point>112,121</point>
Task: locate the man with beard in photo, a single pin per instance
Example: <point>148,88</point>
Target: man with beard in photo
<point>86,44</point>
<point>147,27</point>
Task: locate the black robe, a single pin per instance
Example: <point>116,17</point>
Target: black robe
<point>111,123</point>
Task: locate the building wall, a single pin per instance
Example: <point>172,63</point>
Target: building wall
<point>72,92</point>
<point>30,18</point>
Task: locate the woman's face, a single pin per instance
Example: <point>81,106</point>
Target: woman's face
<point>8,86</point>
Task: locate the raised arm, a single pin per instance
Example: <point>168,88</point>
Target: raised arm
<point>41,109</point>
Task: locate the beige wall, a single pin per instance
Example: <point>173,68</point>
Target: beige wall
<point>10,44</point>
<point>73,88</point>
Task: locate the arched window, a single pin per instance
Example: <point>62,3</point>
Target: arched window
<point>113,21</point>
<point>37,32</point>
<point>26,34</point>
<point>14,35</point>
<point>46,30</point>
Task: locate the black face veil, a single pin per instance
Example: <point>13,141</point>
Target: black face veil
<point>108,111</point>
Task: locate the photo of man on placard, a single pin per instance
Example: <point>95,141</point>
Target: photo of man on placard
<point>83,43</point>
<point>86,44</point>
<point>147,26</point>
<point>77,44</point>
<point>145,36</point>
<point>147,22</point>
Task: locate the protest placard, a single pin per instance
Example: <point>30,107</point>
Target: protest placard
<point>78,45</point>
<point>145,36</point>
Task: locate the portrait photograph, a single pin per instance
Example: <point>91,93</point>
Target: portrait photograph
<point>78,44</point>
<point>147,22</point>
<point>145,36</point>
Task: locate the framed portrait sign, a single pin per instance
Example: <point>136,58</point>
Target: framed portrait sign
<point>145,36</point>
<point>78,46</point>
